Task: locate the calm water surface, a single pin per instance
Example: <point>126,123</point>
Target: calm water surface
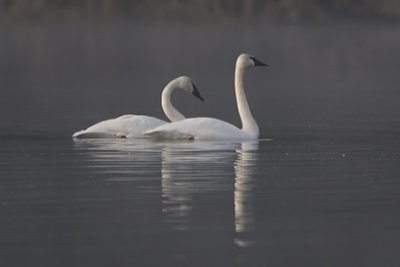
<point>317,200</point>
<point>321,188</point>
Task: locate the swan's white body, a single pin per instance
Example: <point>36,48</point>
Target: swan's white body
<point>133,126</point>
<point>200,129</point>
<point>215,129</point>
<point>125,126</point>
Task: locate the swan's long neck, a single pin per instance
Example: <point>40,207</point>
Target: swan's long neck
<point>249,125</point>
<point>170,111</point>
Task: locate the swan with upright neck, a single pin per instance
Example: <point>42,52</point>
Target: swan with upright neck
<point>133,126</point>
<point>215,129</point>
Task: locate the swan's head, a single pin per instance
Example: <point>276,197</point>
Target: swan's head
<point>187,85</point>
<point>246,60</point>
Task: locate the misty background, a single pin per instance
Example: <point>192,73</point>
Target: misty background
<point>266,9</point>
<point>68,64</point>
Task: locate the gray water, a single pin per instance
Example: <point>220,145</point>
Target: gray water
<point>320,188</point>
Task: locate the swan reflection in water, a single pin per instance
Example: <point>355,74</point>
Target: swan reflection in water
<point>196,167</point>
<point>243,192</point>
<point>123,160</point>
<point>187,168</point>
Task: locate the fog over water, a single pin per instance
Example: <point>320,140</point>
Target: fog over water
<point>61,76</point>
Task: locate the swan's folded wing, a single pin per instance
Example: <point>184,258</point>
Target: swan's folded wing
<point>88,134</point>
<point>169,135</point>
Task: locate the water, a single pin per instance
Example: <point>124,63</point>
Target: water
<point>274,202</point>
<point>320,188</point>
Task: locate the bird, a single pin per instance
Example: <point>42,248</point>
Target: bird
<point>203,128</point>
<point>133,126</point>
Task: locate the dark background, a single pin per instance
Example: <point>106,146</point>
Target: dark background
<point>266,9</point>
<point>67,64</point>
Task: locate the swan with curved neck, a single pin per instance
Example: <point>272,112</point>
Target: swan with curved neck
<point>133,126</point>
<point>215,129</point>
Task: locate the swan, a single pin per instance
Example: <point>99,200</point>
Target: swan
<point>215,129</point>
<point>133,126</point>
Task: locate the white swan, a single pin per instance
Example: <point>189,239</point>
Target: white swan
<point>214,129</point>
<point>133,126</point>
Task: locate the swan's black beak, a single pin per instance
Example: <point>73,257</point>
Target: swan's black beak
<point>258,62</point>
<point>196,92</point>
